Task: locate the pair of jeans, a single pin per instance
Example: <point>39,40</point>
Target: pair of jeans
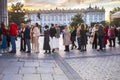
<point>13,38</point>
<point>4,42</point>
<point>28,44</point>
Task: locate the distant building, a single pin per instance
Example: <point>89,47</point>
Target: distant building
<point>115,15</point>
<point>63,17</point>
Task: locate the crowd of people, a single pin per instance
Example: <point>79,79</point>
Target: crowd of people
<point>98,35</point>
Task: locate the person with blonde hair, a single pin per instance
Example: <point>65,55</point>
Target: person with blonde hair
<point>22,39</point>
<point>93,36</point>
<point>66,38</point>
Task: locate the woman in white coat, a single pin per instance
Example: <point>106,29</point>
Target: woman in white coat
<point>36,34</point>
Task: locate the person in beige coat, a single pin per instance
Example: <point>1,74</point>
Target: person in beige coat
<point>66,38</point>
<point>36,34</point>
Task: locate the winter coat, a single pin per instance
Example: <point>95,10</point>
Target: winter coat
<point>83,37</point>
<point>27,33</point>
<point>13,29</point>
<point>73,35</point>
<point>57,35</point>
<point>101,32</point>
<point>66,37</point>
<point>46,45</point>
<point>52,32</point>
<point>36,32</point>
<point>106,35</point>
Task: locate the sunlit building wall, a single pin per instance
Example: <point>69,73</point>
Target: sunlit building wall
<point>63,17</point>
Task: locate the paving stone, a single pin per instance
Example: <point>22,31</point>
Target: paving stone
<point>31,64</point>
<point>31,77</point>
<point>58,71</point>
<point>103,68</point>
<point>60,77</point>
<point>1,70</point>
<point>12,77</point>
<point>47,64</point>
<point>4,64</point>
<point>1,76</point>
<point>47,77</point>
<point>11,70</point>
<point>27,70</point>
<point>45,70</point>
<point>16,64</point>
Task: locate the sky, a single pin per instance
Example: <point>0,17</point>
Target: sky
<point>66,4</point>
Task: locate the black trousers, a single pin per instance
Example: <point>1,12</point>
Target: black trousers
<point>66,47</point>
<point>94,44</point>
<point>22,45</point>
<point>101,42</point>
<point>112,42</point>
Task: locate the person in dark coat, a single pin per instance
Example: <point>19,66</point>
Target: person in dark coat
<point>83,40</point>
<point>22,39</point>
<point>27,38</point>
<point>46,45</point>
<point>73,37</point>
<point>101,35</point>
<point>52,37</point>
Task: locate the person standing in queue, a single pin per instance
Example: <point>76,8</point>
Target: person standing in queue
<point>27,38</point>
<point>46,45</point>
<point>13,33</point>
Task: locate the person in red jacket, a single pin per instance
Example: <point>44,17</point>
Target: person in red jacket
<point>106,35</point>
<point>13,33</point>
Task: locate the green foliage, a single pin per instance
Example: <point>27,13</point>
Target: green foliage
<point>116,22</point>
<point>105,23</point>
<point>76,20</point>
<point>17,14</point>
<point>93,23</point>
<point>115,10</point>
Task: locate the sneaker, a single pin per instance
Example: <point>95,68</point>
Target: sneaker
<point>12,52</point>
<point>53,50</point>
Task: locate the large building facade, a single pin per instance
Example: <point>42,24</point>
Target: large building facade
<point>63,17</point>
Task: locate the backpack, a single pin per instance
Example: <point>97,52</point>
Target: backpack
<point>112,33</point>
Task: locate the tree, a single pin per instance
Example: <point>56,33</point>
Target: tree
<point>116,21</point>
<point>76,20</point>
<point>17,14</point>
<point>115,10</point>
<point>105,23</point>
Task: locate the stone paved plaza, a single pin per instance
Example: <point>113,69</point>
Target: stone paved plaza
<point>73,65</point>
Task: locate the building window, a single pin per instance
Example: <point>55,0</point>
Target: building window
<point>45,18</point>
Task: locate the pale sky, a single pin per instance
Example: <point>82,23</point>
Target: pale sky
<point>66,4</point>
